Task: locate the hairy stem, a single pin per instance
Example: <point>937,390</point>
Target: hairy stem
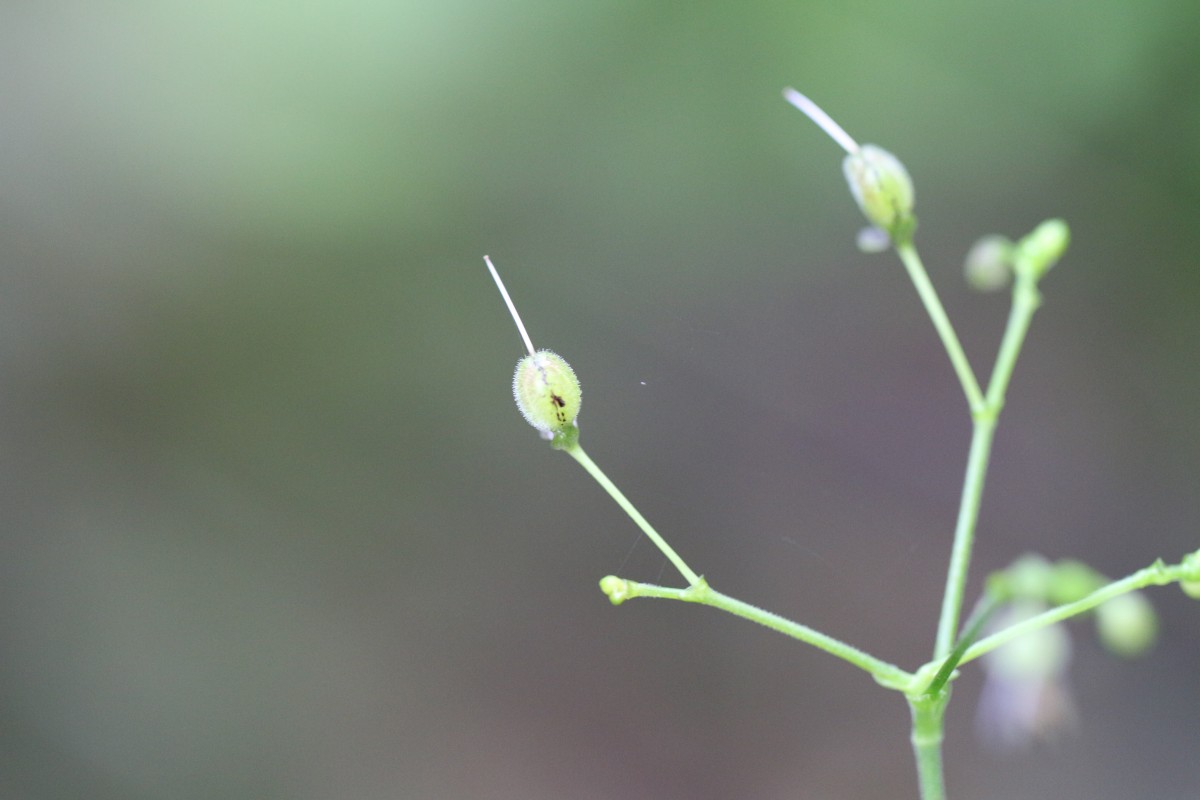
<point>621,589</point>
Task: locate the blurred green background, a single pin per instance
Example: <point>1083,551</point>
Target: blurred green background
<point>273,529</point>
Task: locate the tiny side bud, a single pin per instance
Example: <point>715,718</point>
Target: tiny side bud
<point>617,589</point>
<point>988,264</point>
<point>547,393</point>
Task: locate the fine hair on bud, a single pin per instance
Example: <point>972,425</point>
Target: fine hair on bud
<point>547,392</point>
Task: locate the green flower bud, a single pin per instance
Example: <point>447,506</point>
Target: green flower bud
<point>1073,580</point>
<point>988,265</point>
<point>882,188</point>
<point>877,179</point>
<point>1127,624</point>
<point>544,385</point>
<point>1191,589</point>
<point>1042,248</point>
<point>1029,578</point>
<point>617,589</point>
<point>548,394</point>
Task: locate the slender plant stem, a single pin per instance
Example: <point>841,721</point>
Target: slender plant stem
<point>927,734</point>
<point>933,306</point>
<point>1026,300</point>
<point>1157,574</point>
<point>887,674</point>
<point>576,452</point>
<point>983,431</point>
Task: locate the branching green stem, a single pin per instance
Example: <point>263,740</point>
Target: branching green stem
<point>621,589</point>
<point>698,591</point>
<point>985,412</point>
<point>576,452</point>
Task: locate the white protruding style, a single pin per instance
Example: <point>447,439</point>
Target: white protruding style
<point>823,120</point>
<point>512,309</point>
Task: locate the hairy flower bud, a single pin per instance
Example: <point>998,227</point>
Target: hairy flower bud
<point>547,393</point>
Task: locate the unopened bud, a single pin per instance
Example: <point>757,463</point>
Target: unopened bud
<point>878,181</point>
<point>882,188</point>
<point>1127,624</point>
<point>1073,580</point>
<point>988,265</point>
<point>617,589</point>
<point>1042,248</point>
<point>547,393</point>
<point>544,385</point>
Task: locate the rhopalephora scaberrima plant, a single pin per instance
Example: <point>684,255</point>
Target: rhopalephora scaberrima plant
<point>1014,628</point>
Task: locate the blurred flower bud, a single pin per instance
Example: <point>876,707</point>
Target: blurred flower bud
<point>988,265</point>
<point>882,188</point>
<point>1029,577</point>
<point>1026,696</point>
<point>1127,624</point>
<point>1191,589</point>
<point>1073,580</point>
<point>548,394</point>
<point>1042,248</point>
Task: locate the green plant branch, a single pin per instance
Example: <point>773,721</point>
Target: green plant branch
<point>1157,574</point>
<point>982,434</point>
<point>1026,300</point>
<point>698,591</point>
<point>941,322</point>
<point>576,452</point>
<point>620,589</point>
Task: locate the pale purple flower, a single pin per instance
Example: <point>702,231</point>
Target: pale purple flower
<point>1025,697</point>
